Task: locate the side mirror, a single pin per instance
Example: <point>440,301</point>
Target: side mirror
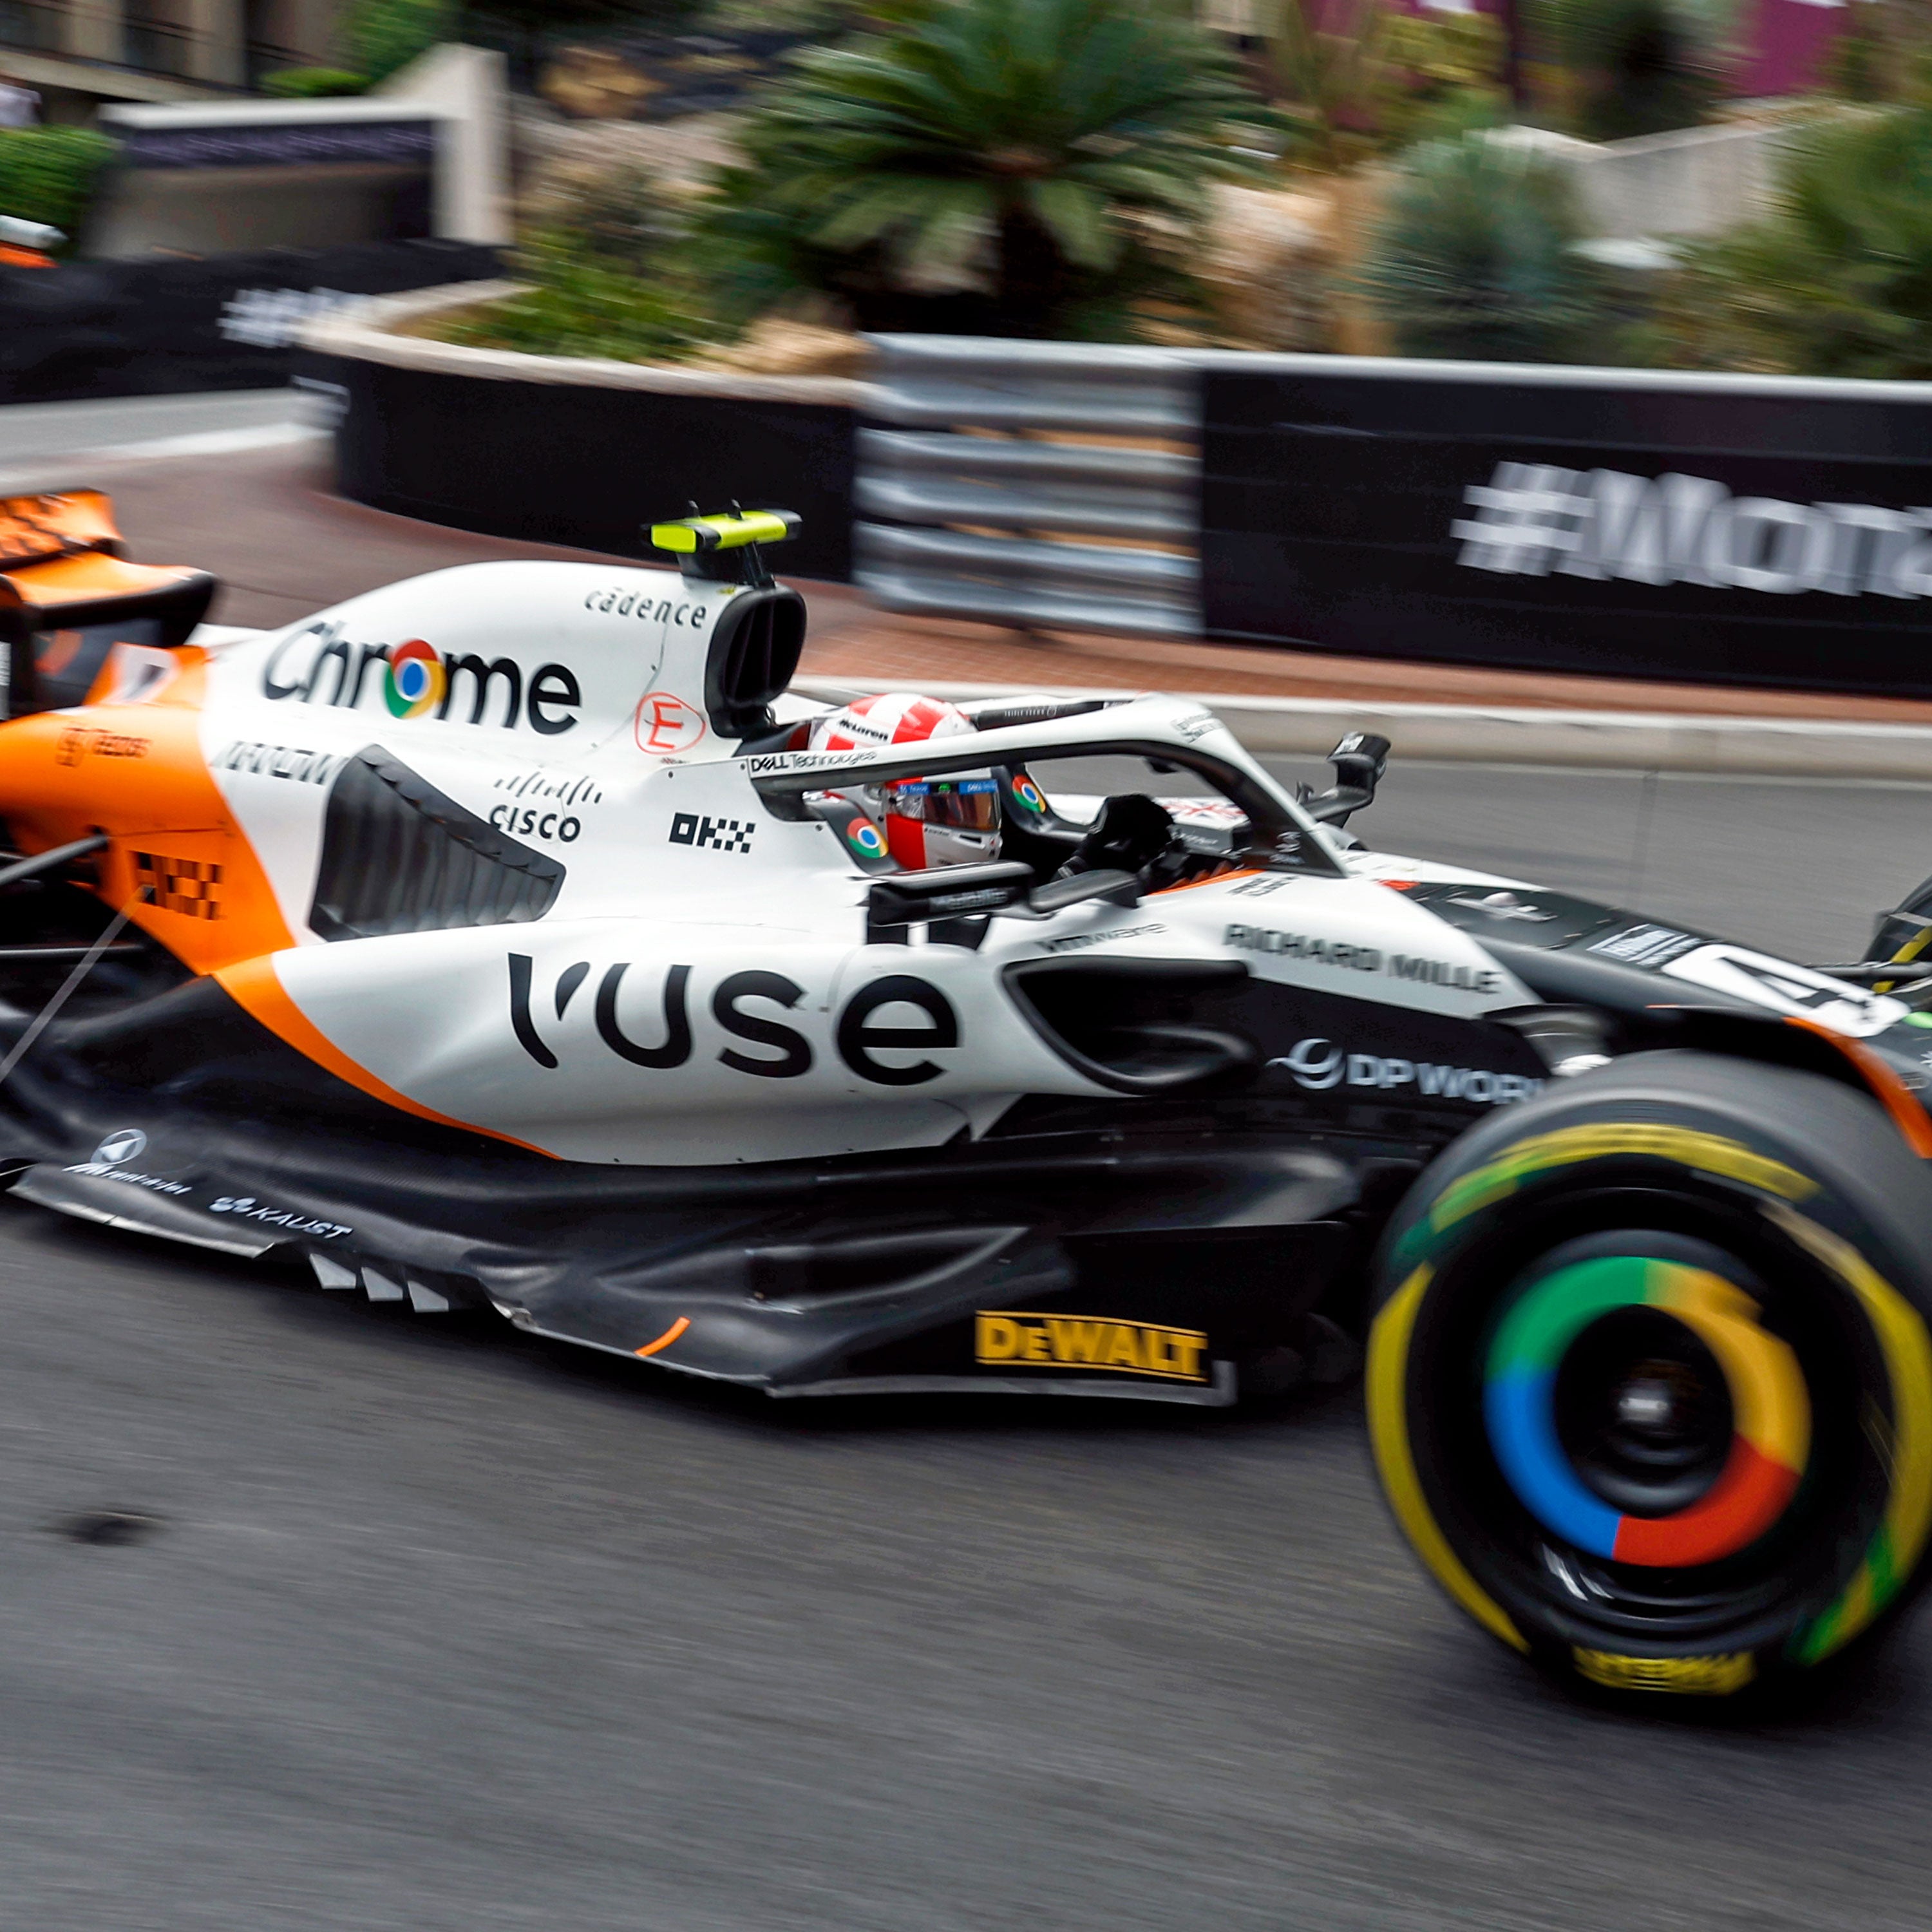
<point>1360,761</point>
<point>942,896</point>
<point>1056,895</point>
<point>956,900</point>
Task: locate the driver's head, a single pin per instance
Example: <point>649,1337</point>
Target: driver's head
<point>951,821</point>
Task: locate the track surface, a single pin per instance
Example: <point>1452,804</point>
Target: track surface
<point>440,1628</point>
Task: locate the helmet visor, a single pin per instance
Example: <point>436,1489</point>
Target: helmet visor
<point>967,805</point>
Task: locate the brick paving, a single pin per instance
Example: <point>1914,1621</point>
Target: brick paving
<point>264,522</point>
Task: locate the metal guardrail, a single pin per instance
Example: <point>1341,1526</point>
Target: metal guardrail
<point>1003,454</point>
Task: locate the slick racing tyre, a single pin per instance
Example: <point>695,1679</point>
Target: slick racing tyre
<point>1649,1378</point>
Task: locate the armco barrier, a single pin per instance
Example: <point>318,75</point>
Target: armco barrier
<point>563,450</point>
<point>1002,455</point>
<point>171,327</point>
<point>1746,529</point>
<point>1765,530</point>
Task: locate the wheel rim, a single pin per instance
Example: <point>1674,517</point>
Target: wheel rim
<point>1661,1411</point>
<point>1643,1405</point>
<point>1730,1565</point>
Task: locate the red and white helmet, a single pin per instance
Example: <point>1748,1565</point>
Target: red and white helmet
<point>925,822</point>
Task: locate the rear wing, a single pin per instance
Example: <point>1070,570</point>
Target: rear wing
<point>68,595</point>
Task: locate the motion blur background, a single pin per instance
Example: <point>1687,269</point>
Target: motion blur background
<point>1065,322</point>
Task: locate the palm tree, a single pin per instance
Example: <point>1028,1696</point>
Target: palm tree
<point>1014,147</point>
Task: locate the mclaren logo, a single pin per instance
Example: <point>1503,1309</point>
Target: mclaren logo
<point>1081,1342</point>
<point>319,665</point>
<point>110,1163</point>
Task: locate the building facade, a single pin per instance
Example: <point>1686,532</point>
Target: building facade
<point>76,54</point>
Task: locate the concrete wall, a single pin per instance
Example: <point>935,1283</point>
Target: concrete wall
<point>218,204</point>
<point>470,86</point>
<point>1697,180</point>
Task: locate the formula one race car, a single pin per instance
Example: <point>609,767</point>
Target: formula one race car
<point>513,939</point>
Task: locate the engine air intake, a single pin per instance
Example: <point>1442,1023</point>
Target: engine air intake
<point>755,651</point>
<point>398,856</point>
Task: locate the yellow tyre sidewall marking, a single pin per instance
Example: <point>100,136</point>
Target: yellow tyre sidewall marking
<point>1565,1146</point>
<point>1894,1551</point>
<point>1388,1433</point>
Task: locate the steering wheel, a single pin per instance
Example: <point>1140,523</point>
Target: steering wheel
<point>1132,833</point>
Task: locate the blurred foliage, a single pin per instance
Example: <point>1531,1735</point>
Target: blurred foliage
<point>50,174</point>
<point>611,272</point>
<point>1448,72</point>
<point>1473,257</point>
<point>522,29</point>
<point>378,38</point>
<point>1883,53</point>
<point>1021,161</point>
<point>576,305</point>
<point>1331,63</point>
<point>622,216</point>
<point>1836,281</point>
<point>825,19</point>
<point>1628,68</point>
<point>1359,80</point>
<point>382,36</point>
<point>313,83</point>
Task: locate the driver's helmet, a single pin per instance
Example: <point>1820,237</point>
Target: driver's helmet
<point>953,820</point>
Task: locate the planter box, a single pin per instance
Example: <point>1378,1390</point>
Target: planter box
<point>562,450</point>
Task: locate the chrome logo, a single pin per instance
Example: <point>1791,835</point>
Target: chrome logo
<point>414,681</point>
<point>866,837</point>
<point>1026,793</point>
<point>1770,1411</point>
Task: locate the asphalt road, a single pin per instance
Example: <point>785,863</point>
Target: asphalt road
<point>425,1625</point>
<point>437,1627</point>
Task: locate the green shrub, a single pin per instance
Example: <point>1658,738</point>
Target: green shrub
<point>1332,65</point>
<point>1836,281</point>
<point>577,306</point>
<point>1446,77</point>
<point>382,36</point>
<point>1025,155</point>
<point>621,217</point>
<point>1636,66</point>
<point>1361,79</point>
<point>1883,53</point>
<point>312,83</point>
<point>612,272</point>
<point>49,174</point>
<point>1473,257</point>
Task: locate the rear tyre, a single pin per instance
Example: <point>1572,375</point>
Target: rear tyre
<point>1650,1380</point>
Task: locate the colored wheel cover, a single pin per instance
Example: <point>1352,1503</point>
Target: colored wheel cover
<point>1771,1410</point>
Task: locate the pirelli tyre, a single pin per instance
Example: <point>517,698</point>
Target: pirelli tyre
<point>1649,1377</point>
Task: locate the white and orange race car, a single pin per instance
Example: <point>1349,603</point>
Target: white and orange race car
<point>499,941</point>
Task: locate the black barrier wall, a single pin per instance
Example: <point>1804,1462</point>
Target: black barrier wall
<point>1716,528</point>
<point>172,327</point>
<point>564,464</point>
